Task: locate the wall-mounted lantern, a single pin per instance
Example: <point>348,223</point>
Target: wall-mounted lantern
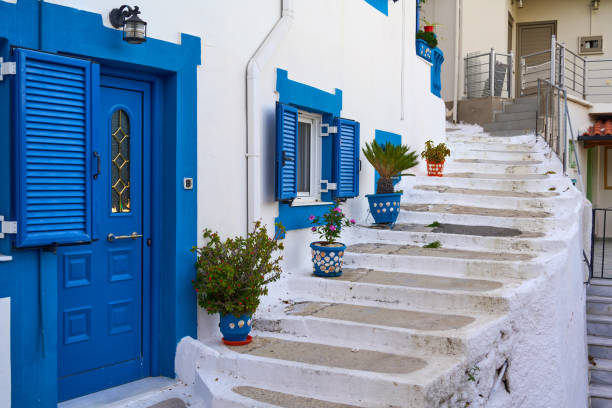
<point>595,5</point>
<point>134,29</point>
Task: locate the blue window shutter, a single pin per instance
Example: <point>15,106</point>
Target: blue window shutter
<point>52,103</point>
<point>286,152</point>
<point>346,158</point>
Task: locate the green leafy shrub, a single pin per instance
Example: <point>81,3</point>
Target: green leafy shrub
<point>329,225</point>
<point>389,161</point>
<point>233,274</point>
<point>429,38</point>
<point>435,154</point>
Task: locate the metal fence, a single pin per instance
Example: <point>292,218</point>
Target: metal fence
<point>485,68</point>
<point>586,78</point>
<point>601,244</point>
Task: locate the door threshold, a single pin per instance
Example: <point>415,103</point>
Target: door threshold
<point>121,394</point>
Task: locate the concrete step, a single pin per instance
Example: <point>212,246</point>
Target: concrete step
<point>532,99</point>
<point>510,133</point>
<point>259,396</point>
<point>599,325</point>
<point>601,371</point>
<point>600,287</point>
<point>522,124</point>
<point>484,137</point>
<point>484,153</point>
<point>500,166</point>
<point>514,183</point>
<point>520,107</point>
<point>515,116</point>
<point>599,305</point>
<point>601,396</point>
<point>600,347</point>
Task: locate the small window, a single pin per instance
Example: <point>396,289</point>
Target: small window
<point>591,45</point>
<point>120,162</point>
<point>308,157</point>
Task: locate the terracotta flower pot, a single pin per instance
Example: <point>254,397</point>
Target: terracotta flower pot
<point>435,169</point>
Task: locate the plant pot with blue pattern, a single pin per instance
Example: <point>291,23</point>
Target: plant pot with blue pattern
<point>385,207</point>
<point>228,285</point>
<point>389,161</point>
<point>328,254</point>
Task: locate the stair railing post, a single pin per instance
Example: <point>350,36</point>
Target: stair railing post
<point>561,66</point>
<point>584,79</point>
<point>553,59</point>
<point>510,69</point>
<point>492,73</point>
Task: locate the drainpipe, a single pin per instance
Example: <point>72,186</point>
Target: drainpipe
<point>457,61</point>
<point>253,107</point>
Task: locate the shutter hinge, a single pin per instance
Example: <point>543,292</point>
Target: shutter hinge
<point>327,130</point>
<point>328,186</point>
<point>7,227</point>
<point>7,68</point>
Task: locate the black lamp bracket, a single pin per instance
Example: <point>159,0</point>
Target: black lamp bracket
<point>118,16</point>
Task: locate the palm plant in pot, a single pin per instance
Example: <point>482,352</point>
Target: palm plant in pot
<point>389,161</point>
<point>327,253</point>
<point>232,276</point>
<point>435,157</point>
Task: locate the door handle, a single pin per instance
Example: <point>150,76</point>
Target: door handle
<point>112,237</point>
<point>97,156</point>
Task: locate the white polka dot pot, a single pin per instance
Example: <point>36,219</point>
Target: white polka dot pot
<point>327,260</point>
<point>385,207</point>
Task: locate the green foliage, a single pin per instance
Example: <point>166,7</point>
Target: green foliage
<point>233,274</point>
<point>435,154</point>
<point>434,224</point>
<point>435,244</point>
<point>389,161</point>
<point>329,225</point>
<point>429,38</point>
<point>472,372</point>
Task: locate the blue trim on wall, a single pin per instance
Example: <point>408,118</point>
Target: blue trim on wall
<point>380,5</point>
<point>33,299</point>
<point>383,137</point>
<point>329,105</point>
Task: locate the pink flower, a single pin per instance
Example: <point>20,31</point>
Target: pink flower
<point>353,221</point>
<point>314,229</point>
<point>332,227</point>
<point>312,217</point>
<point>338,209</point>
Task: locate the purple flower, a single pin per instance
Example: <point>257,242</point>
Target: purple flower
<point>314,229</point>
<point>338,209</point>
<point>312,217</point>
<point>332,227</point>
<point>353,221</point>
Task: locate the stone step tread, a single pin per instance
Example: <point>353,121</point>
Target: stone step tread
<point>599,341</point>
<point>601,282</point>
<point>412,280</point>
<point>280,399</point>
<point>324,355</point>
<point>502,162</point>
<point>380,316</point>
<point>493,193</point>
<point>469,210</point>
<point>601,364</point>
<point>599,299</point>
<point>593,318</point>
<point>600,391</point>
<point>459,229</point>
<point>441,252</point>
<point>497,176</point>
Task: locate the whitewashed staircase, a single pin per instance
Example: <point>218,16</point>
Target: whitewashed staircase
<point>408,326</point>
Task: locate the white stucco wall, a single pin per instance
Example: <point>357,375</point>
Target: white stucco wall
<point>5,352</point>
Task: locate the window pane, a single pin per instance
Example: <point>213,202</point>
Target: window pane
<point>303,164</point>
<point>120,166</point>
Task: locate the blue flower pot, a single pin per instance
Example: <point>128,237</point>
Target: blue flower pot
<point>235,328</point>
<point>326,260</point>
<point>385,207</point>
<point>423,50</point>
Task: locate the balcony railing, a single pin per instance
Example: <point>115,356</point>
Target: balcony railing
<point>485,68</point>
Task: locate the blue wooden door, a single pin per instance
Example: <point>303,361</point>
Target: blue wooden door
<point>103,286</point>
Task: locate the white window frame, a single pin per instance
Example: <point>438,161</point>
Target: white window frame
<point>304,198</point>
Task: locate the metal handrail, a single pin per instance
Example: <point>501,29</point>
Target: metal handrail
<point>485,78</point>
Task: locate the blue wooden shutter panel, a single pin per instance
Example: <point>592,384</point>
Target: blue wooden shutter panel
<point>286,152</point>
<point>52,103</point>
<point>346,158</point>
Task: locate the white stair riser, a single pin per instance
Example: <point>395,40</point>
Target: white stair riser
<point>424,299</point>
<point>599,308</point>
<point>543,185</point>
<point>599,329</point>
<point>458,137</point>
<point>599,290</point>
<point>600,376</point>
<point>461,167</point>
<point>597,351</point>
<point>482,154</point>
<point>352,335</point>
<point>600,402</point>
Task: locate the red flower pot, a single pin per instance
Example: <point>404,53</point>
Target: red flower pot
<point>435,169</point>
<point>429,29</point>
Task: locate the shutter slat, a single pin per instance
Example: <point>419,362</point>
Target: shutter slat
<point>53,102</point>
<point>286,144</point>
<point>346,158</point>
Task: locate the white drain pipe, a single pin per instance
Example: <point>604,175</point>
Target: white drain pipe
<point>253,109</point>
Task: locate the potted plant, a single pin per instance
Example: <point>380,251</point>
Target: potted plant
<point>429,27</point>
<point>233,274</point>
<point>389,161</point>
<point>435,157</point>
<point>327,254</point>
<point>425,43</point>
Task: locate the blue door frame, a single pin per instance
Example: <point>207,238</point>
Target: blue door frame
<point>30,279</point>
